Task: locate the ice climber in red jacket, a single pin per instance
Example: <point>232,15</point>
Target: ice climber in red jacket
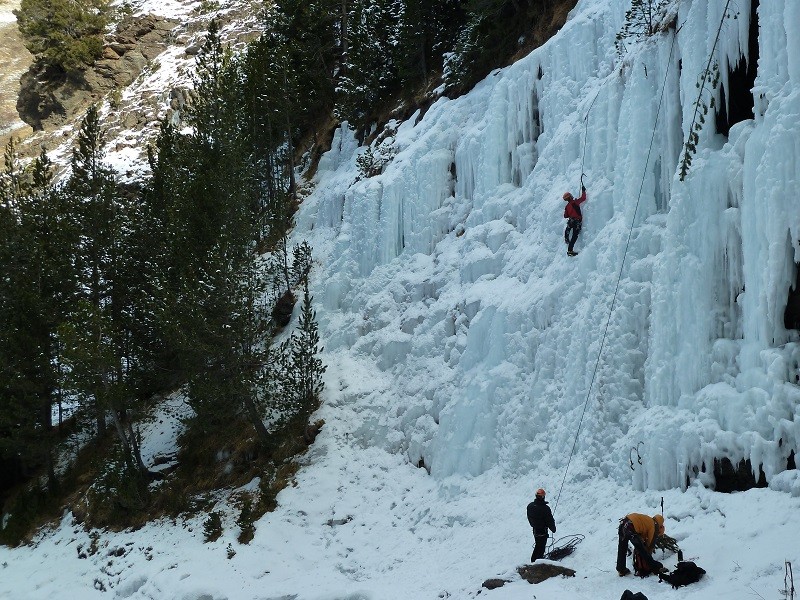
<point>572,212</point>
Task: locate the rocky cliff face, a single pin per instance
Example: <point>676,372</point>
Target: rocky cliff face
<point>145,74</point>
<point>14,61</point>
<point>49,99</point>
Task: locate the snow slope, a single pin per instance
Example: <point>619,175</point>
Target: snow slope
<point>460,338</point>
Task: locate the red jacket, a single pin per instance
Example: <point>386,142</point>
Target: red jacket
<point>573,208</point>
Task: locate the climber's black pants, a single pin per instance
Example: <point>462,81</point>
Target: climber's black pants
<point>571,233</point>
<point>627,533</point>
<point>541,544</point>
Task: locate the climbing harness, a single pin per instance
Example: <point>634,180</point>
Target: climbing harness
<point>622,265</point>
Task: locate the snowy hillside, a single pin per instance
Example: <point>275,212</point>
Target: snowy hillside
<point>463,345</point>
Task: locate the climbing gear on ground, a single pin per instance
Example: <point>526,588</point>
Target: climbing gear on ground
<point>560,549</point>
<point>685,572</point>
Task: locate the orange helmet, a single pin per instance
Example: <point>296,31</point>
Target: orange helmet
<point>567,196</point>
<point>540,493</point>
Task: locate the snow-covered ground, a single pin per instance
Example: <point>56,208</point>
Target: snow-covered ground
<point>461,343</point>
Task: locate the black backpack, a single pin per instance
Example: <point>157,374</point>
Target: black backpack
<point>685,572</point>
<point>576,206</point>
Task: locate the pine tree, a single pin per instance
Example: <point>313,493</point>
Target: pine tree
<point>368,76</point>
<point>311,29</point>
<point>50,243</point>
<point>98,334</point>
<point>66,34</point>
<point>34,292</point>
<point>306,364</point>
<point>270,108</point>
<point>426,30</point>
<point>642,20</point>
<point>215,310</point>
<point>461,65</point>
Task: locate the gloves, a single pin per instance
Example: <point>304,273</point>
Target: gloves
<point>583,188</point>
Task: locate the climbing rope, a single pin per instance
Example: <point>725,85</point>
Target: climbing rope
<point>622,265</point>
<point>586,125</point>
<point>559,548</point>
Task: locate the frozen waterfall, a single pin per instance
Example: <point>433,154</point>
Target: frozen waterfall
<point>447,276</point>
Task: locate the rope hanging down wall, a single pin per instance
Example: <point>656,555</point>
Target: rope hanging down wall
<point>622,265</point>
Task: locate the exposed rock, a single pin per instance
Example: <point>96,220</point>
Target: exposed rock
<point>49,98</point>
<point>493,584</point>
<point>540,572</point>
<point>121,48</point>
<point>180,98</point>
<point>41,99</point>
<point>193,49</point>
<point>79,509</point>
<point>135,61</point>
<point>282,313</point>
<point>15,60</point>
<point>130,120</point>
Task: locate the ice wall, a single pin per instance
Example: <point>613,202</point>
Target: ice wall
<point>448,271</point>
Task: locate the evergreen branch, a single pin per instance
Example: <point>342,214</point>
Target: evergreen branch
<point>705,76</point>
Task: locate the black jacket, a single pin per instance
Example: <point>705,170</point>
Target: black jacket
<point>540,517</point>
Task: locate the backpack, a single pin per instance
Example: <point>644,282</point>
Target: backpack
<point>685,572</point>
<point>576,206</point>
<point>629,595</point>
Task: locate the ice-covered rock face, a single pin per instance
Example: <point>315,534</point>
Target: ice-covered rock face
<point>446,278</point>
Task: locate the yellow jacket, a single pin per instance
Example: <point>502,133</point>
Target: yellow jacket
<point>645,526</point>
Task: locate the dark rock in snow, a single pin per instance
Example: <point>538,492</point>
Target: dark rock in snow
<point>282,313</point>
<point>540,572</point>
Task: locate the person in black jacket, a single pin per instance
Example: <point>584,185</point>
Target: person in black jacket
<point>541,519</point>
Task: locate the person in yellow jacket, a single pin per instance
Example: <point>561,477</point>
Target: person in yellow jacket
<point>641,531</point>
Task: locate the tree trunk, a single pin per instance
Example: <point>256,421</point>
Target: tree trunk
<point>137,451</point>
<point>52,479</point>
<point>290,153</point>
<point>123,438</point>
<point>255,419</point>
<point>344,37</point>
